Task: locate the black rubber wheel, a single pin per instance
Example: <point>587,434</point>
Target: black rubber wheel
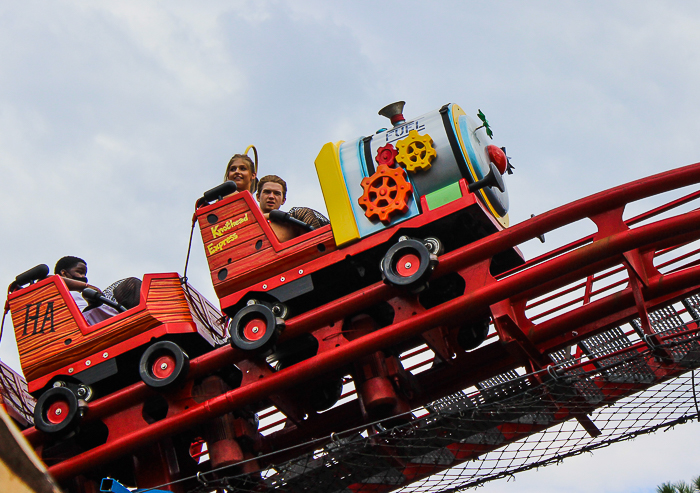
<point>408,264</point>
<point>472,335</point>
<point>255,328</point>
<point>163,364</point>
<point>326,395</point>
<point>293,351</point>
<point>56,411</point>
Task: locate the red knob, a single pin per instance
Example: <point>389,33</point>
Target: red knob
<point>498,157</point>
<point>386,155</point>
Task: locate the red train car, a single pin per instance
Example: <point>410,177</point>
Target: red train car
<point>66,361</point>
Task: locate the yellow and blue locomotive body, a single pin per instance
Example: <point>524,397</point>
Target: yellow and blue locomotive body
<point>436,150</point>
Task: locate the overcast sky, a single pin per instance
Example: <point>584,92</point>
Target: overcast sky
<point>115,117</point>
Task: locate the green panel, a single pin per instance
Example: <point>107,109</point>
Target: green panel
<point>445,195</point>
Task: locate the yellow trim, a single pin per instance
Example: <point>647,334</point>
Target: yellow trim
<point>335,194</point>
<point>255,152</point>
<point>456,113</point>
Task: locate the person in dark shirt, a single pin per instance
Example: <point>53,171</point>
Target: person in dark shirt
<point>272,194</point>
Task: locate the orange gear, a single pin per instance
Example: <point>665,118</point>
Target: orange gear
<point>416,152</point>
<point>386,192</point>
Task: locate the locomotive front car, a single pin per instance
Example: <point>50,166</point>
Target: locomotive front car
<point>376,182</point>
<point>396,200</point>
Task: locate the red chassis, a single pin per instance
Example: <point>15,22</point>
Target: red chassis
<point>256,264</point>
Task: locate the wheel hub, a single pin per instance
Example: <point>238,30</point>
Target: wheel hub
<point>255,329</point>
<point>164,366</point>
<point>57,412</point>
<point>408,265</point>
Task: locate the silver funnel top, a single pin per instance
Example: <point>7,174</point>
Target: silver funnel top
<point>394,112</point>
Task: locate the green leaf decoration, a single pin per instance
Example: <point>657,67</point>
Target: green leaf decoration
<point>485,122</point>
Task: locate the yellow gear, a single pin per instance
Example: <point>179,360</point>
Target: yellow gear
<point>416,152</point>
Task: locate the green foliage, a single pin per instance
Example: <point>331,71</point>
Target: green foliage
<point>683,487</point>
<point>680,487</point>
<point>666,488</point>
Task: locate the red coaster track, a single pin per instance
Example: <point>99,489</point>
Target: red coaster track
<point>557,353</point>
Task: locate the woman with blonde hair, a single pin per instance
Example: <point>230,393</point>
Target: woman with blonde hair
<point>242,171</point>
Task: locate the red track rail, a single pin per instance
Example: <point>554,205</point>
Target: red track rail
<point>521,341</point>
